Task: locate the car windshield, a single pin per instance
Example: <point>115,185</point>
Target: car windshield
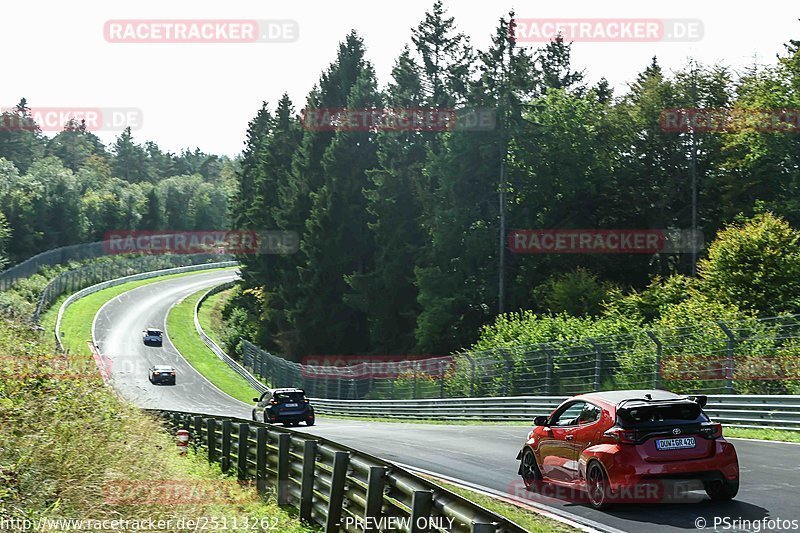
<point>289,397</point>
<point>656,415</point>
<point>153,333</point>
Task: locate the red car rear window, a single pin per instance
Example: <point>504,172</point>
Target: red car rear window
<point>285,397</point>
<point>672,413</point>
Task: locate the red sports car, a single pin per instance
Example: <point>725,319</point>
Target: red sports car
<point>629,446</point>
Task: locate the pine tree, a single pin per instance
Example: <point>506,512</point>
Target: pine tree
<point>337,242</point>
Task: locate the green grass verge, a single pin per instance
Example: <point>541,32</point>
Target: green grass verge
<point>432,421</point>
<point>762,434</point>
<point>76,325</point>
<point>210,315</point>
<point>531,521</point>
<point>182,333</point>
<point>69,447</point>
<point>743,433</point>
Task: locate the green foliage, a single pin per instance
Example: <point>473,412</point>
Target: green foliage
<point>651,301</point>
<point>755,266</point>
<point>577,293</point>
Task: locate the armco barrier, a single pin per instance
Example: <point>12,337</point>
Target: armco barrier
<point>119,281</point>
<point>214,347</point>
<point>96,272</point>
<point>333,486</point>
<point>744,411</point>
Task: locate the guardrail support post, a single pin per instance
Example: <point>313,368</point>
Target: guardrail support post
<point>225,458</point>
<point>307,482</point>
<point>341,461</point>
<point>261,459</point>
<point>211,435</point>
<point>598,362</point>
<point>244,448</point>
<point>198,432</point>
<point>421,507</point>
<point>375,483</point>
<point>507,376</point>
<point>659,350</point>
<point>729,350</point>
<point>284,443</point>
<point>391,382</point>
<point>548,371</point>
<point>414,392</point>
<point>471,374</point>
<point>441,379</point>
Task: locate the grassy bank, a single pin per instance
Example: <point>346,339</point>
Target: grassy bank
<point>210,315</point>
<point>76,325</point>
<point>182,333</point>
<point>742,433</point>
<point>70,448</point>
<point>531,521</point>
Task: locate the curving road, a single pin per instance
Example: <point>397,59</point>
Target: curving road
<point>480,455</point>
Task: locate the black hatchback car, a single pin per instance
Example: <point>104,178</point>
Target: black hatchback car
<point>286,406</point>
<point>161,374</point>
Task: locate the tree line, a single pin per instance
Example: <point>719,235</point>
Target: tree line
<point>399,230</point>
<point>71,188</point>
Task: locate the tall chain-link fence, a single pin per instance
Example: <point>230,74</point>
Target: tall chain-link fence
<point>56,256</point>
<point>74,280</point>
<point>750,357</point>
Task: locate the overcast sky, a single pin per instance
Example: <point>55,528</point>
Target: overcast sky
<point>56,55</point>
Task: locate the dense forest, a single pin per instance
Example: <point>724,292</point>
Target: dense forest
<point>400,230</point>
<point>71,188</point>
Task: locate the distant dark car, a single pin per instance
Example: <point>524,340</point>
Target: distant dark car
<point>286,406</point>
<point>608,445</point>
<point>153,336</point>
<point>161,374</point>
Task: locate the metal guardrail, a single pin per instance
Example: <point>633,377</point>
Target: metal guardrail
<point>742,411</point>
<point>214,347</point>
<point>73,280</point>
<point>333,486</point>
<point>119,281</point>
<point>56,256</point>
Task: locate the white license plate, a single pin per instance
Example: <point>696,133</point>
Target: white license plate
<point>680,443</point>
<point>290,405</point>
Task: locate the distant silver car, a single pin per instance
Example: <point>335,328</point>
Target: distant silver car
<point>153,336</point>
<point>161,374</point>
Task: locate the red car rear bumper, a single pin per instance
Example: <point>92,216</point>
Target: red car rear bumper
<point>626,467</point>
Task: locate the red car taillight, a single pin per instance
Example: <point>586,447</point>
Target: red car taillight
<point>711,431</point>
<point>620,435</point>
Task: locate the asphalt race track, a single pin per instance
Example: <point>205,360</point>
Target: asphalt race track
<point>482,455</point>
